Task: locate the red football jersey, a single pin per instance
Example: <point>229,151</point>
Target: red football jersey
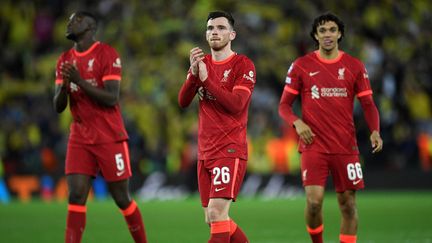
<point>93,123</point>
<point>221,131</point>
<point>327,89</point>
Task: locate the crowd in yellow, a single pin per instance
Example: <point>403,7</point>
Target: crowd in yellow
<point>154,39</point>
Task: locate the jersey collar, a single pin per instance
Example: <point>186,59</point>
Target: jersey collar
<point>81,54</point>
<point>226,60</point>
<point>329,61</point>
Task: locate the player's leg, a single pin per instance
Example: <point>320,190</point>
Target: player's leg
<point>120,192</point>
<point>217,213</point>
<point>348,208</point>
<point>314,168</point>
<point>236,233</point>
<point>78,187</point>
<point>204,187</point>
<point>347,177</point>
<point>313,212</point>
<point>80,167</point>
<point>226,178</point>
<point>114,162</point>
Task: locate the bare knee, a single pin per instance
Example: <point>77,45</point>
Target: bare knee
<point>78,187</point>
<point>347,204</point>
<point>206,217</point>
<point>348,209</point>
<point>314,207</point>
<point>77,196</point>
<point>214,214</point>
<point>120,193</point>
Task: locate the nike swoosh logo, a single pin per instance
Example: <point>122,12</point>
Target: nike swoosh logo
<point>356,182</point>
<point>219,189</point>
<point>119,173</point>
<point>313,73</point>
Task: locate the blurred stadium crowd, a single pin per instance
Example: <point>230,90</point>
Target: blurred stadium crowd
<point>393,39</point>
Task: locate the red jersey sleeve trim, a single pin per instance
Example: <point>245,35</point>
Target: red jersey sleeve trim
<point>290,90</point>
<point>363,93</point>
<point>329,61</point>
<point>242,88</point>
<point>111,77</point>
<point>224,61</point>
<point>58,81</point>
<point>81,54</point>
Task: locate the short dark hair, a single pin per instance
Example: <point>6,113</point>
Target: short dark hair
<point>217,14</point>
<point>320,20</point>
<point>88,14</point>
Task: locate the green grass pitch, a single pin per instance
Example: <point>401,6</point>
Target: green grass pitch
<point>392,217</point>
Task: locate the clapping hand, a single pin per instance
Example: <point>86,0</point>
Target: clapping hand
<point>70,73</point>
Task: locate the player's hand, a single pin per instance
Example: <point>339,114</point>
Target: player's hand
<point>304,131</point>
<point>196,56</point>
<point>66,82</point>
<point>376,141</point>
<point>202,70</point>
<point>70,73</point>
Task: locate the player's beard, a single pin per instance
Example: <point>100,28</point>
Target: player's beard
<point>216,47</point>
<point>75,36</point>
<point>71,36</point>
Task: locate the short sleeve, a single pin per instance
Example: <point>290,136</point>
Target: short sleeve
<point>111,65</point>
<point>246,77</point>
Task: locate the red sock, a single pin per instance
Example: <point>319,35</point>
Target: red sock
<point>347,238</point>
<point>316,234</point>
<point>135,223</point>
<point>237,234</point>
<point>75,223</point>
<point>220,232</point>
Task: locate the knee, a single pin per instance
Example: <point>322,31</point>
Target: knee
<point>122,201</point>
<point>348,209</point>
<point>206,217</point>
<point>213,214</point>
<point>314,207</point>
<point>77,196</point>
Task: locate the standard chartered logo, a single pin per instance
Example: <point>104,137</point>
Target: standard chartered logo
<point>328,92</point>
<point>315,92</point>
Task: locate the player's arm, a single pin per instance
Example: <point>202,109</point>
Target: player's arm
<point>371,115</point>
<point>61,92</point>
<point>187,91</point>
<point>286,112</point>
<point>60,97</point>
<point>108,96</point>
<point>236,100</point>
<point>233,102</point>
<point>189,88</point>
<point>364,95</point>
<point>293,83</point>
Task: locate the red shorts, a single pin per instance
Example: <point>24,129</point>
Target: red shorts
<point>220,178</point>
<point>345,169</point>
<point>112,159</point>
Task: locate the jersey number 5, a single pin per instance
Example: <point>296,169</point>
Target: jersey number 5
<point>354,171</point>
<point>119,161</point>
<point>221,175</point>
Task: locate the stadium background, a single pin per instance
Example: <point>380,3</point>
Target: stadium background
<point>154,37</point>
